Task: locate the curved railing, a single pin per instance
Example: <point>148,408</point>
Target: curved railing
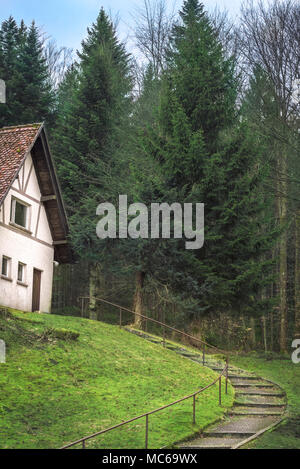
<point>224,373</point>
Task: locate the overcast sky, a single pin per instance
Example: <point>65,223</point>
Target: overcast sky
<point>67,20</point>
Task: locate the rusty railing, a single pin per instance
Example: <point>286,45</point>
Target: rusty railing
<point>205,345</point>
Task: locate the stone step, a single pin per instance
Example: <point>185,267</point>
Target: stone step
<point>212,443</point>
<point>256,411</point>
<point>243,424</point>
<point>232,434</point>
<point>262,399</point>
<point>258,404</point>
<point>246,384</point>
<point>256,391</point>
<point>242,377</point>
<point>219,370</point>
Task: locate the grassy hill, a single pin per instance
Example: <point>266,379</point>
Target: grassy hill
<point>56,387</point>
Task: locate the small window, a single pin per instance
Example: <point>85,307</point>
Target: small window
<point>19,213</point>
<point>5,269</point>
<point>21,272</point>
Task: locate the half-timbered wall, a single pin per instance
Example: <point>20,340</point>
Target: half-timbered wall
<point>33,246</point>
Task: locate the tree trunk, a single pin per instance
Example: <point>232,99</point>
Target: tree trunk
<point>264,328</point>
<point>93,289</point>
<point>297,274</point>
<point>138,298</point>
<point>253,334</point>
<point>282,217</point>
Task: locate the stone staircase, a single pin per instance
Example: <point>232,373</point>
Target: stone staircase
<point>259,404</point>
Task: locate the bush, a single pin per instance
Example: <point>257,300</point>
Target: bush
<point>63,334</point>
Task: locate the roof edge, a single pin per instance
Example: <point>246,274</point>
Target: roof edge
<point>40,128</point>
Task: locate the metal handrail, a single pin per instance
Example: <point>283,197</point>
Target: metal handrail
<point>147,318</point>
<point>223,373</point>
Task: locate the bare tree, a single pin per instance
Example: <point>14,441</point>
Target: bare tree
<point>58,60</point>
<point>225,31</point>
<point>153,24</point>
<point>269,38</point>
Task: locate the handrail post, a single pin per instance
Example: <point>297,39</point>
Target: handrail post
<point>147,431</point>
<point>226,381</point>
<point>220,390</point>
<point>194,409</point>
<point>82,307</point>
<point>203,355</point>
<point>83,444</point>
<point>120,317</point>
<point>164,336</point>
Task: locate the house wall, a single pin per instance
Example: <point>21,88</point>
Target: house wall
<point>32,247</point>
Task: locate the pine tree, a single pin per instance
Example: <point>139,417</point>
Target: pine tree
<point>98,104</point>
<point>9,47</point>
<point>208,156</point>
<point>204,80</point>
<point>24,69</point>
<point>36,95</point>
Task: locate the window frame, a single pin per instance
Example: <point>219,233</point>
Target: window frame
<point>23,279</point>
<point>14,202</point>
<point>6,276</point>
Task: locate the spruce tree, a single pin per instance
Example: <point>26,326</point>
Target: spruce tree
<point>24,69</point>
<point>204,80</point>
<point>97,107</point>
<point>9,49</point>
<point>208,156</point>
<point>36,95</point>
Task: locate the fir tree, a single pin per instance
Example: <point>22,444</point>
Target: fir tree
<point>9,48</point>
<point>98,105</point>
<point>24,69</point>
<point>204,80</point>
<point>36,97</point>
<point>207,156</point>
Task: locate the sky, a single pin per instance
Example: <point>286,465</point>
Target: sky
<point>66,21</point>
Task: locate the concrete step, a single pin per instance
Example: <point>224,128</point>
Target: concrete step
<point>257,411</point>
<point>232,434</point>
<point>242,377</point>
<point>259,383</point>
<point>258,404</point>
<point>212,443</point>
<point>243,424</point>
<point>257,391</point>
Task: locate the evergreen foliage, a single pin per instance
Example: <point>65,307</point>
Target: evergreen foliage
<point>24,69</point>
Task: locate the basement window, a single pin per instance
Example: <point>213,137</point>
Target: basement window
<point>19,213</point>
<point>21,272</point>
<point>5,267</point>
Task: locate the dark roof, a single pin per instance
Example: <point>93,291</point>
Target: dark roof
<point>15,145</point>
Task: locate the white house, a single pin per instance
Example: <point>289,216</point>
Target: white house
<point>33,223</point>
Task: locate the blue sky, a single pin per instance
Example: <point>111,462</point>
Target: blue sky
<point>67,20</point>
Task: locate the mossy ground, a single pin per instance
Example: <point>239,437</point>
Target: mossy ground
<point>54,391</point>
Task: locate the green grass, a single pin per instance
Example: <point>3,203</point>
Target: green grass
<point>56,388</point>
<point>282,371</point>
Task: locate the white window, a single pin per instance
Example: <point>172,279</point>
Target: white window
<point>21,272</point>
<point>19,214</point>
<point>6,267</point>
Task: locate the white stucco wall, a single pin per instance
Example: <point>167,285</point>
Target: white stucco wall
<point>33,249</point>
